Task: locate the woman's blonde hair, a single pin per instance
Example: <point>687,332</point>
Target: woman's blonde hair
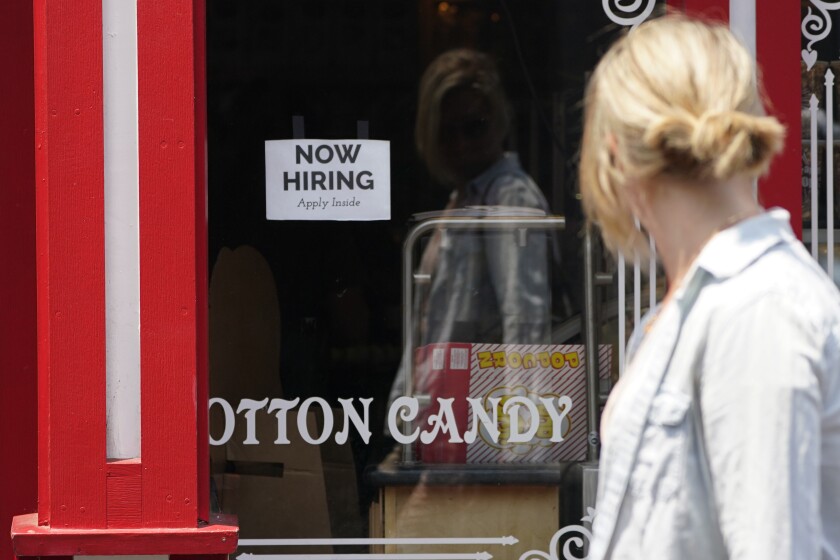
<point>454,69</point>
<point>674,98</point>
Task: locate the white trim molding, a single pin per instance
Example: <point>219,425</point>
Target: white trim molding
<point>628,13</point>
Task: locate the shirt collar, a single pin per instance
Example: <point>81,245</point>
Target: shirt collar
<point>726,254</point>
<point>508,163</point>
<point>732,250</point>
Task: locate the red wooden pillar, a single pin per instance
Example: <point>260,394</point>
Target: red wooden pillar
<point>717,10</point>
<point>777,46</point>
<point>156,503</point>
<point>18,402</point>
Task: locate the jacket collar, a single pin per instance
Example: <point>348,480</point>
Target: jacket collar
<point>477,187</point>
<point>732,250</point>
<point>726,254</point>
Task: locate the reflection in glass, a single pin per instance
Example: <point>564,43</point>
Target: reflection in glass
<point>316,313</point>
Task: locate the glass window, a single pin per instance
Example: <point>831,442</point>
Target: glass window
<point>820,67</point>
<point>416,384</point>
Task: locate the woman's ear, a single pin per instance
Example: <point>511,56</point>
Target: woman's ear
<point>612,148</point>
<point>634,191</point>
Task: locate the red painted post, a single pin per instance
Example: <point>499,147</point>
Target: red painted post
<point>168,276</point>
<point>18,349</point>
<point>717,10</point>
<point>778,50</point>
<point>156,503</point>
<point>202,319</point>
<point>70,264</point>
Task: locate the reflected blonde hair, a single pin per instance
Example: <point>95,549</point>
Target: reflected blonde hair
<point>675,98</point>
<point>454,69</point>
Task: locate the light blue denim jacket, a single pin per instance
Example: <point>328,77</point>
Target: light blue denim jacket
<point>487,286</point>
<point>725,440</point>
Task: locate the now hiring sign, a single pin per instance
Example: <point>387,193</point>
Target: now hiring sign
<point>346,180</point>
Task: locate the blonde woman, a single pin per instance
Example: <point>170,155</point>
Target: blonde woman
<point>722,439</point>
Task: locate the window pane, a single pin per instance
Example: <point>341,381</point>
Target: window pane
<point>421,377</point>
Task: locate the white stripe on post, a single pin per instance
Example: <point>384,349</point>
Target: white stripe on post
<point>742,23</point>
<point>122,242</point>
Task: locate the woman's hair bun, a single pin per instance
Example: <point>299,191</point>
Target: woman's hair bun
<point>675,98</point>
<point>716,144</point>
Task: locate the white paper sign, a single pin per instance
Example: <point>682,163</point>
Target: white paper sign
<point>328,180</point>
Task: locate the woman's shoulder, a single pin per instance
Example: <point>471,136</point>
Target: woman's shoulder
<point>782,305</point>
<point>787,277</point>
<point>507,184</point>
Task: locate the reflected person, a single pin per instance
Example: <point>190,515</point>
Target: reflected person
<point>484,286</point>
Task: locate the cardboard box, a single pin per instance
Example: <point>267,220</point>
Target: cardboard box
<point>244,332</point>
<point>294,490</point>
<point>287,490</point>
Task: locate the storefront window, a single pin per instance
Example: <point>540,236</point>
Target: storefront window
<point>398,358</point>
<point>820,133</point>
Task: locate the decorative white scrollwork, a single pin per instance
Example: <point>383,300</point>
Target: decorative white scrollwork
<point>553,547</point>
<point>627,8</point>
<point>816,27</point>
